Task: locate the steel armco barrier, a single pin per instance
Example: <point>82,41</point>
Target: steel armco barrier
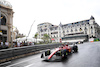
<point>18,52</point>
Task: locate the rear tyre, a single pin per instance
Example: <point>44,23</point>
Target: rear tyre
<point>75,48</point>
<point>64,53</point>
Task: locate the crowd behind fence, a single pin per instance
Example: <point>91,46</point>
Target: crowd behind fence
<point>6,45</point>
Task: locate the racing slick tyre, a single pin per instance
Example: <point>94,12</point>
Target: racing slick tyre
<point>75,48</point>
<point>64,53</point>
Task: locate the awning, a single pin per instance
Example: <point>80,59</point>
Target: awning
<point>75,36</point>
<point>73,40</point>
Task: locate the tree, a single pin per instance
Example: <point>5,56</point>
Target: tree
<point>36,35</point>
<point>46,38</point>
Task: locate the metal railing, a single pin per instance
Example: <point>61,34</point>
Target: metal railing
<point>18,52</point>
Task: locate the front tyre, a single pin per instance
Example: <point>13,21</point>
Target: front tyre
<point>42,56</point>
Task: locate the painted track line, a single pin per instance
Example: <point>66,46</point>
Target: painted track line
<point>29,65</point>
<point>20,62</point>
<point>5,63</point>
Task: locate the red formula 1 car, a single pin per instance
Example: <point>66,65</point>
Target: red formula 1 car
<point>59,52</point>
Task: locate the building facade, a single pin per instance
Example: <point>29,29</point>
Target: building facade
<point>16,34</point>
<point>6,21</point>
<point>76,31</point>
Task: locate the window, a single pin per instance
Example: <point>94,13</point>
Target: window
<point>54,35</point>
<point>75,29</point>
<point>3,20</point>
<point>80,29</point>
<point>41,30</point>
<point>69,26</point>
<point>57,35</point>
<point>85,32</point>
<point>59,28</point>
<point>87,22</point>
<point>63,31</point>
<point>85,28</point>
<point>45,30</point>
<point>55,28</point>
<point>91,31</point>
<point>82,23</point>
<point>51,29</point>
<point>67,31</point>
<point>71,30</point>
<point>4,31</point>
<point>91,27</point>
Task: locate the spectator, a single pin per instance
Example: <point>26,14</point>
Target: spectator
<point>18,44</point>
<point>1,43</point>
<point>6,44</point>
<point>28,43</point>
<point>13,44</point>
<point>22,43</point>
<point>32,43</point>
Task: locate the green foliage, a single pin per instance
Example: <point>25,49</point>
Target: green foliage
<point>97,39</point>
<point>36,35</point>
<point>46,38</point>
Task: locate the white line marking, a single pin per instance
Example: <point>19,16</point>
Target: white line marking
<point>21,62</point>
<point>29,65</point>
<point>5,63</point>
